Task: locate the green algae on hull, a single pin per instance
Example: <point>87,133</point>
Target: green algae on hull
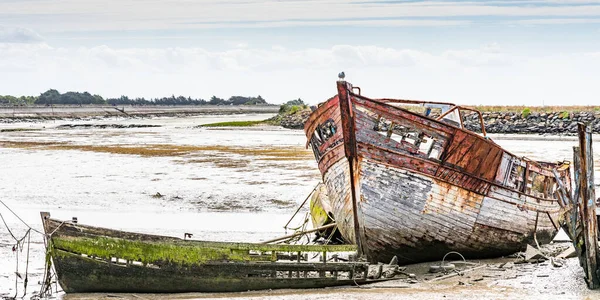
<point>107,243</point>
<point>180,251</point>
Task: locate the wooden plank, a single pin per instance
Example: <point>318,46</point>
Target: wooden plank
<point>588,205</point>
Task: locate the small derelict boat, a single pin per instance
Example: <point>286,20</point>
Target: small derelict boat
<point>94,259</point>
<point>413,185</point>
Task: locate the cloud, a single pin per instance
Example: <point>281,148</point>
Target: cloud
<point>555,21</point>
<point>488,55</point>
<point>106,15</point>
<point>18,35</point>
<point>484,75</point>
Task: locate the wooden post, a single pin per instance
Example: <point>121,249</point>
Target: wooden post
<point>587,200</point>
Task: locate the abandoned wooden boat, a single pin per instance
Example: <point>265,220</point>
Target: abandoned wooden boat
<point>408,184</point>
<point>94,259</point>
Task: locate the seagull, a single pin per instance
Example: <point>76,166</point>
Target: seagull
<point>341,75</point>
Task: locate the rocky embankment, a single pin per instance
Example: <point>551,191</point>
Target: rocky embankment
<point>295,121</point>
<point>499,122</point>
<point>291,120</point>
<point>539,123</point>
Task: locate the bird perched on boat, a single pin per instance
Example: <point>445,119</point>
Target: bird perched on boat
<point>341,75</point>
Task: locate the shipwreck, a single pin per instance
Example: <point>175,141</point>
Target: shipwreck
<point>418,184</point>
<point>96,259</point>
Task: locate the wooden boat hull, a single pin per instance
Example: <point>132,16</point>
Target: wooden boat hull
<point>78,274</point>
<point>94,259</point>
<point>418,218</point>
<point>461,192</point>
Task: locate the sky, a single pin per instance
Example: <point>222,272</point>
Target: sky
<point>492,52</point>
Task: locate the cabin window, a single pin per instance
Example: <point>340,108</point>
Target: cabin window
<point>410,139</point>
<point>425,144</point>
<point>315,143</point>
<point>517,174</point>
<point>316,138</point>
<point>322,133</point>
<point>435,151</point>
<point>327,129</point>
<point>316,152</point>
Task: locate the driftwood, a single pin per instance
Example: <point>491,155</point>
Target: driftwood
<point>580,221</point>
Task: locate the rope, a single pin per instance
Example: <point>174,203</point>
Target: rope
<point>444,259</point>
<point>27,266</point>
<point>7,228</point>
<point>31,228</point>
<point>17,271</point>
<point>46,288</point>
<point>300,228</point>
<point>328,240</point>
<point>16,248</point>
<point>299,207</point>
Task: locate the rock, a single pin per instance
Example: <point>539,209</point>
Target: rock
<point>389,271</point>
<point>570,252</point>
<point>440,268</point>
<point>508,265</point>
<point>533,253</point>
<point>556,262</point>
<point>374,271</point>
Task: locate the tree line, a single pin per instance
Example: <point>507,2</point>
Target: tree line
<point>52,97</point>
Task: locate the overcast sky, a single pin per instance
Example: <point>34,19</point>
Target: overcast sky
<point>511,52</point>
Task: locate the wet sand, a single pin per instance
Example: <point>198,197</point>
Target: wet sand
<point>224,184</point>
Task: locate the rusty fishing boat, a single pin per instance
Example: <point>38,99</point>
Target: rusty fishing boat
<point>418,184</point>
<point>95,259</point>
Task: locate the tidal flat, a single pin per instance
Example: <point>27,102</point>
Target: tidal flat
<point>223,184</point>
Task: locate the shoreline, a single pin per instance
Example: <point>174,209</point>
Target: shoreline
<point>42,113</point>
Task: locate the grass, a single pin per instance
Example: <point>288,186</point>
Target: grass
<point>233,124</point>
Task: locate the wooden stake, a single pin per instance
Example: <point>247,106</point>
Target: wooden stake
<point>588,204</point>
